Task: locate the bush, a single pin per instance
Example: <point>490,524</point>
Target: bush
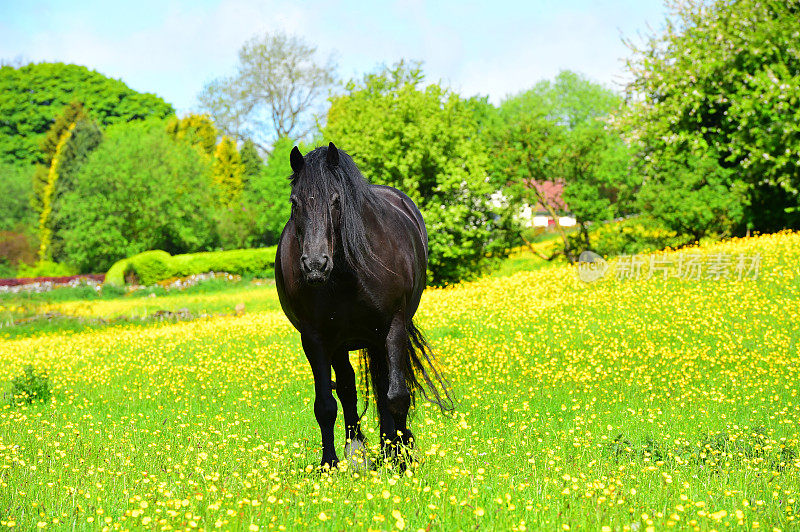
<point>634,235</point>
<point>153,266</point>
<point>30,386</point>
<point>148,268</point>
<point>16,248</point>
<point>46,268</point>
<point>250,262</point>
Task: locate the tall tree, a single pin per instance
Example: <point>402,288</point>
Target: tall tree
<point>279,86</point>
<point>557,132</point>
<point>251,160</point>
<point>423,141</point>
<point>198,130</point>
<point>65,148</point>
<point>714,113</point>
<point>227,172</point>
<point>139,190</point>
<point>268,193</point>
<point>31,97</point>
<point>16,191</point>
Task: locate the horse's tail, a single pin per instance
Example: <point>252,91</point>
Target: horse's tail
<point>420,369</point>
<point>422,372</point>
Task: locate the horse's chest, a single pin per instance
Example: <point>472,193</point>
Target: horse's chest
<point>344,317</point>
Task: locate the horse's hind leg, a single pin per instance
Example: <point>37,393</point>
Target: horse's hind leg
<point>398,396</point>
<point>347,392</point>
<point>324,403</point>
<point>379,373</point>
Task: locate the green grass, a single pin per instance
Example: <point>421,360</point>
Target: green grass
<point>619,404</point>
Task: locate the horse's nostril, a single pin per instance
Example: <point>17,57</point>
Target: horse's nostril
<point>324,261</point>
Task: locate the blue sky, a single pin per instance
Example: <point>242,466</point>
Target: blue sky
<point>492,48</point>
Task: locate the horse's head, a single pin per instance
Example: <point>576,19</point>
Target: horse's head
<point>316,211</point>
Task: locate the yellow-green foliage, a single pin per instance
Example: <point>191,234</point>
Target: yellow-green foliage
<point>153,266</point>
<point>228,172</point>
<point>616,405</point>
<point>199,130</point>
<point>45,231</point>
<point>149,267</point>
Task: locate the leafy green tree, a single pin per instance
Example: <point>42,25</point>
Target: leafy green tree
<point>280,84</point>
<point>139,190</point>
<point>251,160</point>
<point>557,132</point>
<point>198,130</point>
<point>268,193</point>
<point>16,191</point>
<point>84,138</point>
<point>61,126</point>
<point>235,224</point>
<point>31,97</point>
<point>227,172</point>
<point>716,95</point>
<point>65,149</point>
<point>424,141</point>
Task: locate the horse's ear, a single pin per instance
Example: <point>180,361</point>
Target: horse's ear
<point>296,160</point>
<point>333,155</point>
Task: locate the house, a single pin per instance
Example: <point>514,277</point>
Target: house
<point>537,215</point>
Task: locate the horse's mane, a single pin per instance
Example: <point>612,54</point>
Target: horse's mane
<point>321,180</point>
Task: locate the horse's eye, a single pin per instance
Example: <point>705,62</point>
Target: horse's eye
<point>294,201</point>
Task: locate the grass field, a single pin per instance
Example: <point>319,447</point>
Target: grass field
<point>621,404</point>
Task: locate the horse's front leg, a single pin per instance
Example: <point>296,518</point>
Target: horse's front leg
<point>324,403</point>
<point>346,390</point>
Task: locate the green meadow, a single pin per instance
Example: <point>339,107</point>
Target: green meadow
<point>621,404</point>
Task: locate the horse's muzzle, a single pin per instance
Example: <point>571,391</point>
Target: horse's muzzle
<point>316,271</point>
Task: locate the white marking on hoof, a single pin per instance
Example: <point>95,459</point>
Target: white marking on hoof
<point>355,453</point>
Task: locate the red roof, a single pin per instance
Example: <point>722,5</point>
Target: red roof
<point>552,191</point>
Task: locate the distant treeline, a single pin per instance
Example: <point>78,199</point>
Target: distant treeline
<point>703,143</point>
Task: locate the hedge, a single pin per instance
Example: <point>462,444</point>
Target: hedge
<point>153,266</point>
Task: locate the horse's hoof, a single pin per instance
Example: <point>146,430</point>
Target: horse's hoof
<point>329,465</point>
<point>355,454</point>
<point>407,438</point>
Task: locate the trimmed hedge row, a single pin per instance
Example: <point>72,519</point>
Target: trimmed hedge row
<point>151,267</point>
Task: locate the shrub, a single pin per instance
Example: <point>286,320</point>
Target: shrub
<point>153,266</point>
<point>46,268</point>
<point>250,262</point>
<point>148,268</point>
<point>16,248</point>
<point>634,235</point>
<point>30,386</point>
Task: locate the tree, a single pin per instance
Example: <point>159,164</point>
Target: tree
<point>65,148</point>
<point>31,97</point>
<point>251,160</point>
<point>60,127</point>
<point>713,114</point>
<point>227,172</point>
<point>84,138</point>
<point>556,132</point>
<point>15,198</point>
<point>198,130</point>
<point>423,141</point>
<point>139,190</point>
<point>268,192</point>
<point>276,91</point>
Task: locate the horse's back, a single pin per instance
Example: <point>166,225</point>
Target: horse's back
<point>406,206</point>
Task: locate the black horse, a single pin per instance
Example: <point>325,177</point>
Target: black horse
<point>350,270</point>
